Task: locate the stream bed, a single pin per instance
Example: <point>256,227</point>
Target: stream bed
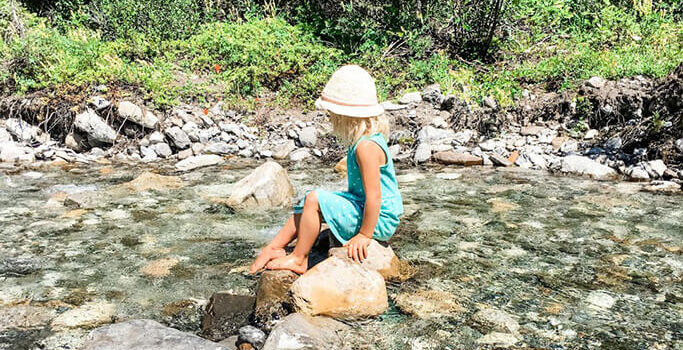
<point>576,263</point>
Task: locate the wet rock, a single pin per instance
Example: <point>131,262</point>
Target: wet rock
<point>448,176</point>
<point>585,166</point>
<point>24,316</point>
<point>14,267</point>
<point>500,205</point>
<point>99,103</point>
<point>178,137</point>
<point>662,186</point>
<point>185,315</point>
<point>596,82</point>
<point>159,268</point>
<point>498,340</point>
<point>410,177</point>
<point>273,301</point>
<point>340,288</point>
<point>454,158</point>
<point>381,259</point>
<point>10,152</point>
<point>199,161</point>
<point>266,187</point>
<point>491,319</point>
<point>422,153</point>
<point>499,160</point>
<point>299,155</point>
<point>135,114</point>
<point>22,130</point>
<point>299,331</point>
<point>252,336</point>
<point>95,127</point>
<point>163,150</point>
<point>86,316</point>
<point>308,136</point>
<point>145,335</point>
<point>426,304</point>
<point>600,300</point>
<point>411,97</point>
<point>340,167</point>
<point>225,314</point>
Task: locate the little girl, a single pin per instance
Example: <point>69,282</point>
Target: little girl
<point>372,205</point>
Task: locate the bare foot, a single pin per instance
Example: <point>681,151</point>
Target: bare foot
<point>266,255</point>
<point>289,262</point>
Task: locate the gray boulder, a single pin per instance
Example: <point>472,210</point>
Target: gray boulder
<point>178,137</point>
<point>11,152</point>
<point>145,335</point>
<point>266,187</point>
<point>95,127</point>
<point>422,153</point>
<point>5,135</point>
<point>297,331</point>
<point>308,136</point>
<point>585,166</point>
<point>430,134</point>
<point>22,130</point>
<point>220,148</point>
<point>253,336</point>
<point>163,150</point>
<point>411,97</point>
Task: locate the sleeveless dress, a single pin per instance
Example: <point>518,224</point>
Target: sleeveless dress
<point>343,211</point>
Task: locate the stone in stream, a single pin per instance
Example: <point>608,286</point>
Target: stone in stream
<point>199,161</point>
<point>178,137</point>
<point>454,158</point>
<point>266,187</point>
<point>135,114</point>
<point>585,166</point>
<point>148,181</point>
<point>185,315</point>
<point>145,335</point>
<point>490,319</point>
<point>252,336</point>
<point>225,314</point>
<point>25,316</point>
<point>273,301</point>
<point>662,186</point>
<point>426,304</point>
<point>15,267</point>
<point>159,268</point>
<point>95,127</point>
<point>299,331</point>
<point>498,340</point>
<point>340,288</point>
<point>86,316</point>
<point>599,301</point>
<point>381,259</point>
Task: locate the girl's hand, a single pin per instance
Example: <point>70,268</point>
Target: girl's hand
<point>358,247</point>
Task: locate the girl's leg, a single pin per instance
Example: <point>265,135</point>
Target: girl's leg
<point>276,247</point>
<point>307,232</point>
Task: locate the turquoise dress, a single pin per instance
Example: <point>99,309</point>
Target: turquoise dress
<point>343,211</point>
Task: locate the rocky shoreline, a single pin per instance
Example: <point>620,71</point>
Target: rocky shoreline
<point>545,132</point>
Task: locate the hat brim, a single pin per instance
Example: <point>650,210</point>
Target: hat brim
<point>350,111</point>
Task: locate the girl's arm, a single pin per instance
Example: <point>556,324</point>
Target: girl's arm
<point>370,158</point>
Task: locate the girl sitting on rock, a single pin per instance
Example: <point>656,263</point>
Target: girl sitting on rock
<point>371,206</point>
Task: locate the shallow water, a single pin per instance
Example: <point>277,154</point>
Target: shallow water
<point>540,248</point>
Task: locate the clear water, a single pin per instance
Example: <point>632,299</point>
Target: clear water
<point>533,245</point>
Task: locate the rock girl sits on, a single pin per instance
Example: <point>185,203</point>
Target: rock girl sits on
<point>371,206</point>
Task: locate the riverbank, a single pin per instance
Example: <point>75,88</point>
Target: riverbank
<point>627,129</point>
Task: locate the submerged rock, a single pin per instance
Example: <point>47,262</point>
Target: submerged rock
<point>273,301</point>
<point>200,161</point>
<point>340,288</point>
<point>145,335</point>
<point>491,319</point>
<point>225,314</point>
<point>303,332</point>
<point>95,127</point>
<point>25,317</point>
<point>86,316</point>
<point>148,181</point>
<point>159,267</point>
<point>266,187</point>
<point>498,339</point>
<point>425,304</point>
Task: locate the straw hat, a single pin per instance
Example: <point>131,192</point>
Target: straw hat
<point>350,92</point>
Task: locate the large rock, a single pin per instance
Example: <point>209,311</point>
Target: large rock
<point>266,187</point>
<point>22,130</point>
<point>380,259</point>
<point>145,335</point>
<point>226,313</point>
<point>585,166</point>
<point>200,161</point>
<point>95,127</point>
<point>86,316</point>
<point>340,288</point>
<point>454,158</point>
<point>302,332</point>
<point>273,301</point>
<point>11,152</point>
<point>178,137</point>
<point>135,114</point>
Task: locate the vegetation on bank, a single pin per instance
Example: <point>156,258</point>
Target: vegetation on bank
<point>243,51</point>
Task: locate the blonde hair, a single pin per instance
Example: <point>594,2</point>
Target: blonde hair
<point>350,129</point>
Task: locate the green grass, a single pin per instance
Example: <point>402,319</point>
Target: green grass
<point>552,44</point>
